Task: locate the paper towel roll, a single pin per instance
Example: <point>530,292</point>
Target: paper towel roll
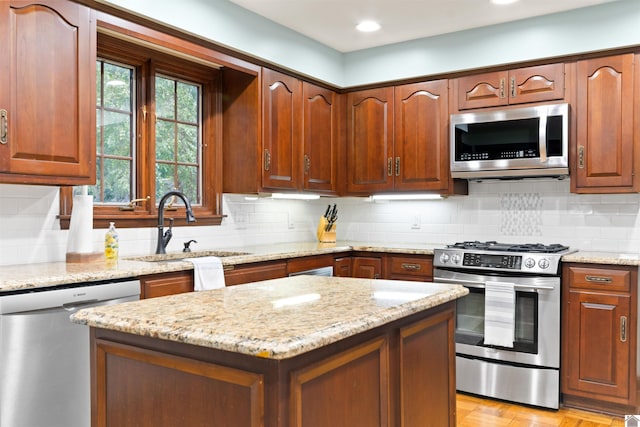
<point>81,226</point>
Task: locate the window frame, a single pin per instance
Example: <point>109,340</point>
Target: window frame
<point>148,62</point>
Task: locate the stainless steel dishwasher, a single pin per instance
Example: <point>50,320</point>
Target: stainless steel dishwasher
<point>44,358</point>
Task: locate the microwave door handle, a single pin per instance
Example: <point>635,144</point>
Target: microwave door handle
<point>542,140</point>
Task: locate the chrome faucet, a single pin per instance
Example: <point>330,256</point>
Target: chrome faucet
<point>165,236</point>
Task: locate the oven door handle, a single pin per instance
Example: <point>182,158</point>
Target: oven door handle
<point>475,284</point>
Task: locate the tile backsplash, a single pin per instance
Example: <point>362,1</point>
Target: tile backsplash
<point>513,211</point>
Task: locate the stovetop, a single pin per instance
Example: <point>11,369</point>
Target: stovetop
<point>510,247</point>
<point>527,258</point>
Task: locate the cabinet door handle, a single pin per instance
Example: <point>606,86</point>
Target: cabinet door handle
<point>397,166</point>
<point>598,279</point>
<point>623,328</point>
<point>502,91</point>
<point>512,87</point>
<point>267,160</point>
<point>390,166</point>
<point>581,157</point>
<point>410,267</point>
<point>307,164</point>
<point>4,127</point>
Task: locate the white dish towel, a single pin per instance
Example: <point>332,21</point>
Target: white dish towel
<point>208,273</point>
<point>499,314</point>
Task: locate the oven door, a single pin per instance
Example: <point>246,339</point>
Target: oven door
<point>537,318</point>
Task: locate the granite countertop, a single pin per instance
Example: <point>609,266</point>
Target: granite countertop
<point>613,258</point>
<point>29,276</point>
<point>275,319</point>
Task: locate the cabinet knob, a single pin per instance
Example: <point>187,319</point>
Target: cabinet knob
<point>503,93</point>
<point>390,166</point>
<point>410,267</point>
<point>598,279</point>
<point>4,127</point>
<point>397,166</point>
<point>307,164</point>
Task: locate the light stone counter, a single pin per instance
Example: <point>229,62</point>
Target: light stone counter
<point>612,258</point>
<point>274,319</point>
<point>28,276</point>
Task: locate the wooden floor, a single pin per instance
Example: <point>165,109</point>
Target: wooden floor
<point>476,412</point>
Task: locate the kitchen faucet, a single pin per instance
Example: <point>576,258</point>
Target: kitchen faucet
<point>165,236</point>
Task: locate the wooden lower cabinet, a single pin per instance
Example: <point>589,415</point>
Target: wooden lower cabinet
<point>162,284</point>
<point>599,337</point>
<point>399,374</point>
<point>342,267</point>
<point>410,267</point>
<point>367,267</point>
<point>247,273</point>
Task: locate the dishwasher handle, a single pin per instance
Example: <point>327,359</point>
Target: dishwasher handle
<point>76,305</point>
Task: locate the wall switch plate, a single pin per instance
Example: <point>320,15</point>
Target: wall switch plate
<point>415,225</point>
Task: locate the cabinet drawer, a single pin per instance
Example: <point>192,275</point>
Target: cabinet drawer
<point>610,278</point>
<point>418,267</point>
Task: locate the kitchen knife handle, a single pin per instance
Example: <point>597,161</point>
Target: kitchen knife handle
<point>267,160</point>
<point>623,328</point>
<point>4,127</point>
<point>390,166</point>
<point>397,166</point>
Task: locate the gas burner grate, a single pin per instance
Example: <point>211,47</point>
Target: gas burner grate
<point>492,245</point>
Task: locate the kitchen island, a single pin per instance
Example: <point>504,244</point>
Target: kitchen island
<point>300,351</point>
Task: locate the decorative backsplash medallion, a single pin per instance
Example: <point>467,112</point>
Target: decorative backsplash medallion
<point>520,214</point>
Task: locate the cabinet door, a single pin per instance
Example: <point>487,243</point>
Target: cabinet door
<point>598,361</point>
<point>159,285</point>
<point>282,130</point>
<point>255,273</point>
<point>605,159</point>
<point>370,141</point>
<point>482,90</point>
<point>320,146</point>
<point>421,136</point>
<point>48,94</point>
<point>535,84</point>
<point>367,267</point>
<point>342,267</point>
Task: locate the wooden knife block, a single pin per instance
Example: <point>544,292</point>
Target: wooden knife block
<point>326,236</point>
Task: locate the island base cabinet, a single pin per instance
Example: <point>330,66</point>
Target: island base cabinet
<point>138,387</point>
<point>400,374</point>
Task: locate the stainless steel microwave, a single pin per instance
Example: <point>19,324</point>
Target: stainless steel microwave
<point>510,143</point>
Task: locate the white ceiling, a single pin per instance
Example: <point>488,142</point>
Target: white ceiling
<point>332,22</point>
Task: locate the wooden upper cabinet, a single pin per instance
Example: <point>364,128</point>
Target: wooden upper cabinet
<point>517,86</point>
<point>606,158</point>
<point>421,144</point>
<point>370,163</point>
<point>320,146</point>
<point>47,100</point>
<point>282,130</point>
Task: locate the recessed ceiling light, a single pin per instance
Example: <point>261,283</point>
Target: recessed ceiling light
<point>503,1</point>
<point>368,26</point>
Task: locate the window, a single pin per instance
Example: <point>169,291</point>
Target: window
<point>156,131</point>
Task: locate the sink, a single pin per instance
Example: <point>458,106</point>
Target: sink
<point>179,256</point>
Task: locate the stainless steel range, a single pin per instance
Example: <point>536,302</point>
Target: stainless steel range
<point>508,327</point>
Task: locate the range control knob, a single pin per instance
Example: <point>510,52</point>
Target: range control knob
<point>543,263</point>
<point>455,258</point>
<point>529,263</point>
<point>444,258</point>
